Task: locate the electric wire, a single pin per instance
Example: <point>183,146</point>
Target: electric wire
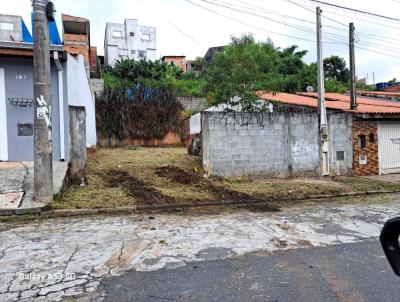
<point>171,24</point>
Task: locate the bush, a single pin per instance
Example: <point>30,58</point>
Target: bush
<point>138,113</point>
<point>333,86</point>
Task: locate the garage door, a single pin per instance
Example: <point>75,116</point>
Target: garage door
<point>389,147</point>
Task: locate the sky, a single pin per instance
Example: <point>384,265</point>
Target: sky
<point>184,28</point>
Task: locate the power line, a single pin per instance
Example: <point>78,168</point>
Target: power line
<point>376,37</point>
<point>268,11</point>
<point>355,10</point>
<point>297,4</point>
<point>356,18</point>
<point>257,15</point>
<point>298,27</point>
<point>170,23</point>
<point>378,52</point>
<point>335,37</point>
<point>290,36</point>
<point>287,16</point>
<point>252,26</point>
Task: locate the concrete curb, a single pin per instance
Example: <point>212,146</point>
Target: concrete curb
<point>45,212</point>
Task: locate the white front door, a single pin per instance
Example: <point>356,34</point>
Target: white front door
<point>3,119</point>
<point>389,147</point>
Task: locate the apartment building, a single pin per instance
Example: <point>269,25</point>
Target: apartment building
<point>129,40</point>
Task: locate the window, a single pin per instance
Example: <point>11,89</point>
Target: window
<point>371,137</point>
<point>133,52</point>
<point>123,52</point>
<point>117,34</point>
<point>146,37</point>
<point>361,141</point>
<point>339,155</point>
<point>363,160</point>
<point>25,129</point>
<point>142,54</point>
<point>6,26</point>
<point>132,34</point>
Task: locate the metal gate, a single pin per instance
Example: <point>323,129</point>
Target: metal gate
<point>389,147</point>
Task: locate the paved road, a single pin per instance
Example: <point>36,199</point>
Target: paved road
<point>347,272</point>
<point>49,260</point>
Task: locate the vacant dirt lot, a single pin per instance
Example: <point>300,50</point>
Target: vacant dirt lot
<point>131,176</point>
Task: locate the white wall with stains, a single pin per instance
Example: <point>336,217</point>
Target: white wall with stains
<point>80,94</point>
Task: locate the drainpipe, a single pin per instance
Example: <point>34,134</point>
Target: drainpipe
<point>60,104</point>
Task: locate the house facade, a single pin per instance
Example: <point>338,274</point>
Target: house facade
<point>76,41</point>
<point>208,57</point>
<point>178,61</point>
<point>129,40</point>
<point>285,141</point>
<point>69,87</point>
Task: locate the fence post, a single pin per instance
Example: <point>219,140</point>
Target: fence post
<point>77,138</point>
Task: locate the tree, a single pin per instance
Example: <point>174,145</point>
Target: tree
<point>198,64</point>
<point>335,69</point>
<point>246,67</point>
<point>144,72</point>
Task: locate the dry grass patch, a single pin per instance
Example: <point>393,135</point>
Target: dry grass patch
<point>129,176</point>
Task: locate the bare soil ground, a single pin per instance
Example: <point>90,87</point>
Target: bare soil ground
<point>130,176</point>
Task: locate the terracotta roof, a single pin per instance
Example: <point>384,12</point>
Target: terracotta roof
<point>334,101</point>
<point>378,93</point>
<point>360,100</point>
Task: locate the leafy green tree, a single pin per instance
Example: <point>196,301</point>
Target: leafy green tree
<point>246,67</point>
<point>335,69</point>
<point>237,73</point>
<point>199,64</point>
<point>148,73</point>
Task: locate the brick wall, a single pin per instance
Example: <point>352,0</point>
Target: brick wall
<point>177,61</point>
<point>370,150</point>
<point>77,48</point>
<point>93,59</point>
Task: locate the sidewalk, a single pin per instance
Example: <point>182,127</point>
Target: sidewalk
<point>16,184</point>
<point>392,178</point>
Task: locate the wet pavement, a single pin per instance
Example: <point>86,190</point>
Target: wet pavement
<point>69,257</point>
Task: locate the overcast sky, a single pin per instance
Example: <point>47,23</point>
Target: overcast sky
<point>201,29</point>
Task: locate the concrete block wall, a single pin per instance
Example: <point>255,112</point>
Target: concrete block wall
<point>303,144</point>
<point>340,131</point>
<point>193,104</point>
<point>286,144</point>
<point>10,28</point>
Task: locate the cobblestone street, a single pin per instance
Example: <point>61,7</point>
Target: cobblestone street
<point>51,259</point>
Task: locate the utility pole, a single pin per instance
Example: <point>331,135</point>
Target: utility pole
<point>373,77</point>
<point>353,97</point>
<point>43,156</point>
<point>323,119</point>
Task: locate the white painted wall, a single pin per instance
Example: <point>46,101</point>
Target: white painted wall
<point>3,119</point>
<point>195,123</point>
<point>80,94</point>
<point>129,42</point>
